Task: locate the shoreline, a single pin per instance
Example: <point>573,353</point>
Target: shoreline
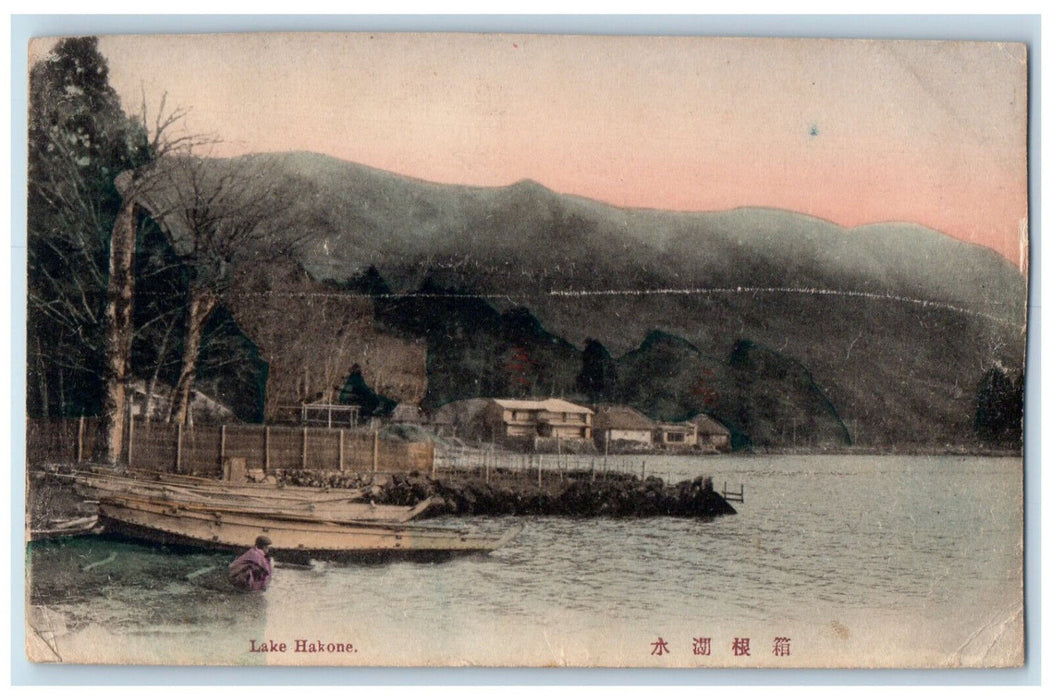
<point>882,451</point>
<point>919,450</point>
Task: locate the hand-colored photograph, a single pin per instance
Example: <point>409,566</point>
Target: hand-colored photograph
<point>521,350</point>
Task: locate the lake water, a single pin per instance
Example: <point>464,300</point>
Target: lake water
<point>856,560</point>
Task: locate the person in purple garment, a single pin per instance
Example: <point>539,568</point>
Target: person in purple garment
<point>253,569</point>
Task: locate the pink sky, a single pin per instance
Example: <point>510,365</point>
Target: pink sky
<point>855,132</point>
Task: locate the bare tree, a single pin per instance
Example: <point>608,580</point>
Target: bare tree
<point>219,215</point>
<point>311,334</point>
<point>82,233</point>
<point>134,186</point>
<point>83,229</point>
<point>308,333</point>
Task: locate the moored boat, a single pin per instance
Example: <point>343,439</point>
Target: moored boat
<point>293,536</point>
<point>333,504</point>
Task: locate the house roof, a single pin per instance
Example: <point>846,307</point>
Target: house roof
<point>709,426</point>
<point>621,418</point>
<point>673,427</point>
<point>552,405</point>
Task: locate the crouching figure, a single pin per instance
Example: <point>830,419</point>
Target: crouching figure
<point>252,570</point>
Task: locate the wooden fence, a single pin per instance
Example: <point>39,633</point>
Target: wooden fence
<point>203,449</point>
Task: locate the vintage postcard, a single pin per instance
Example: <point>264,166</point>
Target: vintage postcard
<point>457,350</point>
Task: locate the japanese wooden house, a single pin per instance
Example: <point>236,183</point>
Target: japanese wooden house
<point>711,433</point>
<point>675,435</point>
<point>519,419</point>
<point>614,423</point>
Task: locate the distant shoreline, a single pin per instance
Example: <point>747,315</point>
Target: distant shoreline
<point>910,450</point>
<point>892,450</point>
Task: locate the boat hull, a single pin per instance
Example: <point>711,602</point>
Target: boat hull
<point>292,539</point>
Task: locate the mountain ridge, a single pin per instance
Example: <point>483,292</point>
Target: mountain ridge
<point>455,220</point>
<point>898,330</point>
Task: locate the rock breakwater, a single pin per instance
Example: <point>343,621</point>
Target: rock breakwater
<point>572,494</point>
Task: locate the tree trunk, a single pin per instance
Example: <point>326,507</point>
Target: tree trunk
<point>202,302</point>
<point>151,390</point>
<point>120,296</point>
<point>45,405</point>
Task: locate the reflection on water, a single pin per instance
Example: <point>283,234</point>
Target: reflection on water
<point>925,541</point>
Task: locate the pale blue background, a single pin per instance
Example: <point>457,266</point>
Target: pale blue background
<point>998,28</point>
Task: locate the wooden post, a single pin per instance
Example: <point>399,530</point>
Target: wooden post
<point>643,472</point>
<point>593,470</point>
<point>222,445</point>
<point>80,439</point>
<point>376,450</point>
<point>341,449</point>
<point>434,465</point>
<point>540,461</point>
<point>266,449</point>
<point>303,453</point>
<point>131,434</point>
<point>178,448</point>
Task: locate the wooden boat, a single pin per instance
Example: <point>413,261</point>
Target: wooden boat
<point>294,537</point>
<point>214,486</point>
<point>332,505</point>
<point>247,488</point>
